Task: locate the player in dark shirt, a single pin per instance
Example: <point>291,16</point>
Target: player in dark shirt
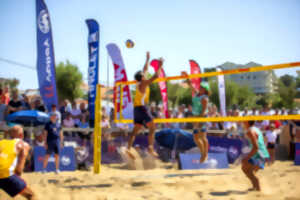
<point>54,141</point>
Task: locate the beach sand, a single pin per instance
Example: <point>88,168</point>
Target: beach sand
<point>165,182</point>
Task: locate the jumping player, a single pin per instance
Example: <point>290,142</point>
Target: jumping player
<point>13,153</point>
<point>255,160</point>
<point>142,115</point>
<point>200,109</point>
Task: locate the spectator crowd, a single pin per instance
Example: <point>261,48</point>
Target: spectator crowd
<point>76,115</point>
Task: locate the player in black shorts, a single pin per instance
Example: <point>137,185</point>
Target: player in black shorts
<point>142,115</point>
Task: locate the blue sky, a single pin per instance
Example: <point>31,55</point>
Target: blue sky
<point>211,32</point>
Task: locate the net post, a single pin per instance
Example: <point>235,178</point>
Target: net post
<point>116,102</point>
<point>97,131</point>
<point>121,102</point>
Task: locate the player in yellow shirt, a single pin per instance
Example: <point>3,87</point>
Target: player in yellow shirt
<point>13,153</point>
<point>142,115</point>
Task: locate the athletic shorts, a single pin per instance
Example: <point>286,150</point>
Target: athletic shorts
<point>13,185</point>
<point>53,147</point>
<point>271,146</point>
<point>142,115</point>
<point>202,129</point>
<point>260,162</point>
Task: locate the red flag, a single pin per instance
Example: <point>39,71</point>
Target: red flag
<point>195,69</point>
<point>162,85</point>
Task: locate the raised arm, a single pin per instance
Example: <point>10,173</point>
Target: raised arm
<point>156,75</point>
<point>189,83</point>
<point>145,69</point>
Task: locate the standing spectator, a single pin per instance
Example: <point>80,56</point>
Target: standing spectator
<point>25,102</point>
<point>189,113</point>
<point>56,112</point>
<point>84,111</point>
<point>2,108</point>
<point>254,111</point>
<point>180,114</point>
<point>38,106</point>
<point>64,109</point>
<point>246,112</point>
<point>54,141</point>
<point>271,136</point>
<point>5,96</point>
<point>153,111</point>
<point>15,104</point>
<point>76,113</point>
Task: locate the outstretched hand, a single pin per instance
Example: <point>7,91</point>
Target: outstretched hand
<point>184,73</point>
<point>148,55</point>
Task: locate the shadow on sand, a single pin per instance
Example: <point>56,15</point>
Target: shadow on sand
<point>73,187</point>
<point>229,192</point>
<point>192,175</point>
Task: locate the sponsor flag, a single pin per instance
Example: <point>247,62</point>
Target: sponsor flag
<point>222,94</point>
<point>45,56</point>
<point>93,45</point>
<point>162,85</point>
<point>120,75</point>
<point>195,69</point>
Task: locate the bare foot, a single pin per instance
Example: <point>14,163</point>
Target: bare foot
<point>203,158</point>
<point>152,152</point>
<point>130,154</point>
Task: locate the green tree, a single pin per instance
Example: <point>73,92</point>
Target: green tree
<point>11,83</point>
<point>155,95</point>
<point>68,81</point>
<point>240,95</point>
<point>287,94</point>
<point>287,80</point>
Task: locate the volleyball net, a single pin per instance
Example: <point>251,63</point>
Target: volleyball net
<point>118,103</point>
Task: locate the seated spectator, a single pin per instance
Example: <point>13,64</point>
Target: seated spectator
<point>76,113</point>
<point>69,121</point>
<point>83,123</point>
<point>15,104</point>
<point>39,139</point>
<point>56,112</point>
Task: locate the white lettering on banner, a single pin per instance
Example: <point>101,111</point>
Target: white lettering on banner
<point>93,37</point>
<point>43,22</point>
<point>48,60</point>
<point>119,74</point>
<point>92,73</point>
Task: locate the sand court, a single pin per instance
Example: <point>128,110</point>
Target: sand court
<point>165,181</point>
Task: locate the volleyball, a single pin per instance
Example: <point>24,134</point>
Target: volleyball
<point>129,43</point>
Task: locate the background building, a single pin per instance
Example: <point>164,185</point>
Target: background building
<point>261,82</point>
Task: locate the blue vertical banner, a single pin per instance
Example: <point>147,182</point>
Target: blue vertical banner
<point>45,56</point>
<point>93,45</point>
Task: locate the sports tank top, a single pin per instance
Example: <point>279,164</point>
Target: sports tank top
<point>8,157</point>
<point>197,104</point>
<point>140,98</point>
<point>262,151</point>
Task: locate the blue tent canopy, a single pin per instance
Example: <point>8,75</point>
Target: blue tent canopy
<point>168,137</point>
